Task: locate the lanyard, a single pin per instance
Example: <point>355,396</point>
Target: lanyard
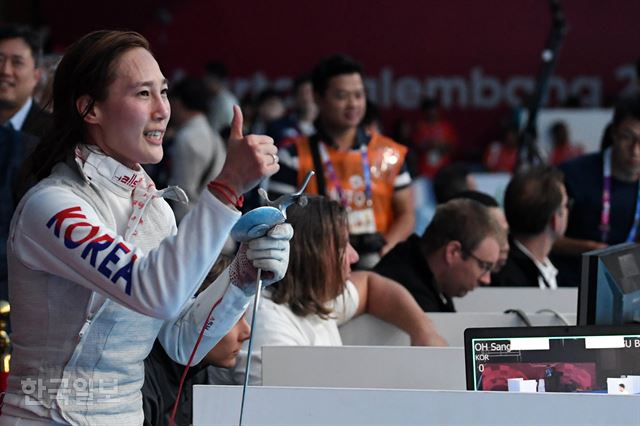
<point>331,172</point>
<point>606,202</point>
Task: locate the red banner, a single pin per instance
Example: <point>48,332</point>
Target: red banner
<point>478,58</point>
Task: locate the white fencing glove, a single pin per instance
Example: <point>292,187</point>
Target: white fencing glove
<point>269,253</point>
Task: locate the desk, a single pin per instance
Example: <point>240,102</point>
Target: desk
<point>265,405</point>
<point>388,367</point>
<point>371,331</point>
<point>528,299</point>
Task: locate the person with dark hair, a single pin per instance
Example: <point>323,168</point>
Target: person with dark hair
<point>434,138</point>
<point>24,122</point>
<point>452,179</point>
<point>269,107</point>
<point>494,209</point>
<point>198,152</point>
<point>20,56</point>
<point>537,208</point>
<point>320,292</point>
<point>221,100</point>
<point>98,268</point>
<point>364,172</point>
<point>456,254</point>
<point>300,121</point>
<point>604,187</point>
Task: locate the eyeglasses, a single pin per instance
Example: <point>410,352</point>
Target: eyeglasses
<point>483,264</point>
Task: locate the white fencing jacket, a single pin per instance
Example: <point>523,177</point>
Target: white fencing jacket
<point>97,271</point>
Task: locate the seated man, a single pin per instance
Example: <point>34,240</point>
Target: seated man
<point>456,253</point>
<point>498,214</point>
<point>537,208</point>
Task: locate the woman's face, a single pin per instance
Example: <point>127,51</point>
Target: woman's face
<point>130,123</point>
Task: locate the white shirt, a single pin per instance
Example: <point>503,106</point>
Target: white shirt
<point>277,325</point>
<point>548,272</point>
<point>17,121</point>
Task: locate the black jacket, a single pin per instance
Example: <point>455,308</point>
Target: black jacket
<point>38,122</point>
<point>519,271</point>
<point>406,264</point>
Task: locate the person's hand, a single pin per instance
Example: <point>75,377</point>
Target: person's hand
<point>269,253</point>
<point>249,158</point>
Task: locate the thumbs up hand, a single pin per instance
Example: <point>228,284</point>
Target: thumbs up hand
<point>249,158</point>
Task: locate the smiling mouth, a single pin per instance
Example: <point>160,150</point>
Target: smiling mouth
<point>154,135</point>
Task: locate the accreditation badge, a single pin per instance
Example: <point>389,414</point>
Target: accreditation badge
<point>362,221</point>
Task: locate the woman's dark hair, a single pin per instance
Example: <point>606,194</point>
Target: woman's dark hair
<point>87,68</point>
<point>318,247</point>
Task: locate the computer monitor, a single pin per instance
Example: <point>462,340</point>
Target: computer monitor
<point>551,359</point>
<point>609,291</point>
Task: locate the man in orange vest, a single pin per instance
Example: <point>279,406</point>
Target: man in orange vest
<point>366,172</point>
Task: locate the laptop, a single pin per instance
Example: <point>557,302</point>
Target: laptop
<point>551,359</point>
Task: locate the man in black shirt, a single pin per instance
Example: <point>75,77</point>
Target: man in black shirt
<point>537,208</point>
<point>455,254</point>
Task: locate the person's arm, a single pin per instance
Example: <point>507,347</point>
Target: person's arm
<point>574,247</point>
<point>404,219</point>
<point>391,302</point>
<point>178,336</point>
<point>227,297</point>
<point>58,232</point>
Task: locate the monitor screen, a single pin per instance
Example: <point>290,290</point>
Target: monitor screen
<point>551,359</point>
<point>609,291</point>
